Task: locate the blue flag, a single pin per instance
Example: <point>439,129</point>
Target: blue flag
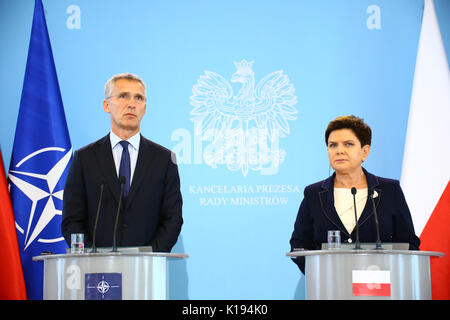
<point>40,159</point>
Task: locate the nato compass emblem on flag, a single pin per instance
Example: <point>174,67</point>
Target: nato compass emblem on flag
<point>103,286</point>
<point>244,128</point>
<point>41,193</point>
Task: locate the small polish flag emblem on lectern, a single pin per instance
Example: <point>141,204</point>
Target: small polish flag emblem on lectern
<point>371,283</point>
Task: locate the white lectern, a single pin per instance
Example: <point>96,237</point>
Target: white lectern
<point>119,275</point>
<point>367,274</point>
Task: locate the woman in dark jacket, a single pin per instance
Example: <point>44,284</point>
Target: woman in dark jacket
<point>328,204</point>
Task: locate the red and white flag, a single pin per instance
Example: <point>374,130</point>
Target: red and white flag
<point>371,283</point>
<point>426,161</point>
<point>12,283</point>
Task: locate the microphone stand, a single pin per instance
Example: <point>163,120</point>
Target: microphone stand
<point>377,226</point>
<point>357,243</point>
<point>122,184</point>
<point>94,248</point>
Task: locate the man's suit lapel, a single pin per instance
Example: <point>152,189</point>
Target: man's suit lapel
<point>107,167</point>
<point>143,163</point>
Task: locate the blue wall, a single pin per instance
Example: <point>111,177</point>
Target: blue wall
<point>341,57</point>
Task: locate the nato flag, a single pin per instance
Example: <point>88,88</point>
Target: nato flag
<point>40,158</point>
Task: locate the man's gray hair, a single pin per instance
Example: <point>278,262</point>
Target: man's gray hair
<point>110,83</point>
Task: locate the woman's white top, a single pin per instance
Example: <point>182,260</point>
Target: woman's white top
<point>343,202</point>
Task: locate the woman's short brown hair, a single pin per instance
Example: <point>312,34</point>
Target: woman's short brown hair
<point>357,125</point>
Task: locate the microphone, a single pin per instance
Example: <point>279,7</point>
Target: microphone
<point>357,243</point>
<point>94,248</point>
<point>377,226</point>
<point>122,184</point>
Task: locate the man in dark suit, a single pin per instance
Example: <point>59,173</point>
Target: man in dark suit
<point>151,212</point>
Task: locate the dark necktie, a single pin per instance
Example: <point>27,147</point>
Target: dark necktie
<point>125,168</point>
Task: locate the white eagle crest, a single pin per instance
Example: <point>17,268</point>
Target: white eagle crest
<point>243,128</point>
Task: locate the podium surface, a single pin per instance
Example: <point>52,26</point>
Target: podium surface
<point>107,275</point>
<point>367,274</point>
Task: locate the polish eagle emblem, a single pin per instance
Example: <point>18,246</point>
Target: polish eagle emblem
<point>244,128</point>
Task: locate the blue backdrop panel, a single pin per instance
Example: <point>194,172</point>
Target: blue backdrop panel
<point>242,91</point>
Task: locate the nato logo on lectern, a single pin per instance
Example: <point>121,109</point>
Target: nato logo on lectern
<point>103,286</point>
<point>243,129</point>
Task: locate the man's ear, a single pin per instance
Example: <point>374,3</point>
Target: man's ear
<point>106,106</point>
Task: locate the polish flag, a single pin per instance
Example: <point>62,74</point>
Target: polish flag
<point>371,283</point>
<point>426,162</point>
<point>12,283</point>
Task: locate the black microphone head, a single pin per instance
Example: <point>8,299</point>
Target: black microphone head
<point>371,191</point>
<point>122,180</point>
<point>353,190</point>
